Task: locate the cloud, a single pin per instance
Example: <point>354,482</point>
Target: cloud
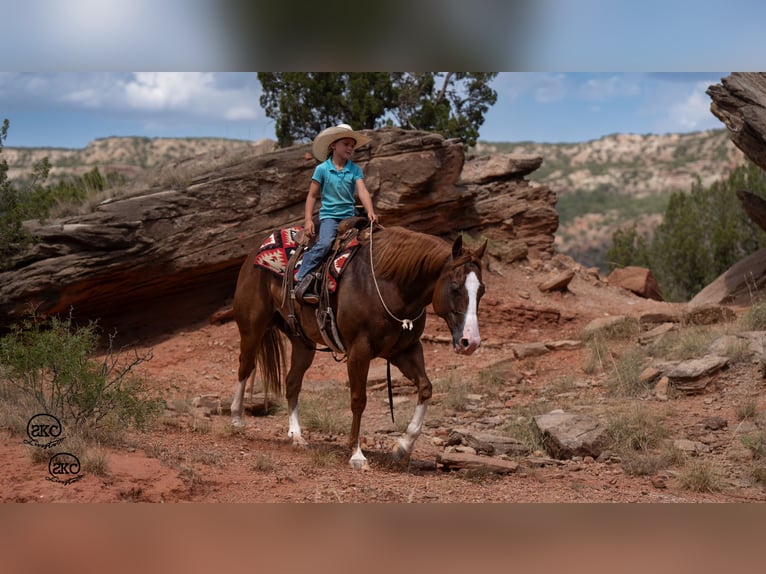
<point>677,107</point>
<point>168,90</point>
<point>693,113</point>
<point>543,87</point>
<point>599,88</point>
<point>200,95</point>
<point>552,88</point>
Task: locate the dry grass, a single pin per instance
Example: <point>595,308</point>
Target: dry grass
<point>755,317</point>
<point>625,376</point>
<point>263,463</point>
<point>635,427</point>
<point>747,409</point>
<point>700,476</point>
<point>600,358</point>
<point>326,412</point>
<point>455,391</point>
<point>324,456</point>
<point>685,343</point>
<point>520,425</point>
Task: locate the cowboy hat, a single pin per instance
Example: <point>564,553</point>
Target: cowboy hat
<point>321,146</point>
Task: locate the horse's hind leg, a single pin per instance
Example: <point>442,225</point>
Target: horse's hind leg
<point>246,372</point>
<point>301,359</point>
<point>252,312</point>
<point>412,366</point>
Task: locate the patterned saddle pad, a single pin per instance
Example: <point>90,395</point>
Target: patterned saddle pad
<point>275,251</point>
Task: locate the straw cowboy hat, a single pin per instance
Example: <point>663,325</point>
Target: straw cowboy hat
<point>321,146</point>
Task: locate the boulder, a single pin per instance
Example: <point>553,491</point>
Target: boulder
<point>171,250</point>
<point>638,280</point>
<point>567,434</point>
<point>738,285</point>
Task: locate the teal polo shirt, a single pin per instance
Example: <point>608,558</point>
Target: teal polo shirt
<point>337,188</point>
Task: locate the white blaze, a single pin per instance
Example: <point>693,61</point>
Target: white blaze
<point>471,325</point>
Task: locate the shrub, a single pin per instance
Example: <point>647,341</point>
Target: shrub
<point>49,366</point>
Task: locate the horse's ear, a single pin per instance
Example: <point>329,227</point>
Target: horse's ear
<point>480,251</point>
<point>457,247</point>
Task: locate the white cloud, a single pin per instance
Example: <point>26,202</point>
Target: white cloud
<point>543,87</point>
<point>694,112</point>
<point>238,113</point>
<point>551,88</point>
<point>688,111</point>
<point>168,90</point>
<point>601,88</point>
<point>200,95</point>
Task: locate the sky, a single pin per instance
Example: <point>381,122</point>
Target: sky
<point>576,70</point>
<point>71,109</point>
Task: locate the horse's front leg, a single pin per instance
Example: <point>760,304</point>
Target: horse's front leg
<point>412,366</point>
<point>301,359</point>
<point>236,402</point>
<point>358,368</point>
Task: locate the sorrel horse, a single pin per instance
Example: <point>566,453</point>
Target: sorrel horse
<point>379,307</point>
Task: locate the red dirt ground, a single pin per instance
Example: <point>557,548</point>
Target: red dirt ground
<point>190,457</point>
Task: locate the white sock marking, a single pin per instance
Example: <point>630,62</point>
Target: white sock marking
<point>294,430</point>
<point>407,441</point>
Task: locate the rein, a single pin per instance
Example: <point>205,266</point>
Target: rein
<point>407,324</point>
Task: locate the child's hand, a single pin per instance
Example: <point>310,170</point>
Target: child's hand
<point>372,217</point>
<point>308,228</point>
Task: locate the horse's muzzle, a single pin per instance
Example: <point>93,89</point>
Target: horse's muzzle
<point>466,346</point>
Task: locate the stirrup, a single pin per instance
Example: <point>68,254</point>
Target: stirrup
<point>302,292</point>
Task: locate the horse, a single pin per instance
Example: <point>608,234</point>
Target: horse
<point>379,307</point>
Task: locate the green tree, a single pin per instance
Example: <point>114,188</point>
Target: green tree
<point>33,199</point>
<point>680,255</point>
<point>13,235</point>
<point>302,104</point>
<point>704,232</point>
<point>628,247</point>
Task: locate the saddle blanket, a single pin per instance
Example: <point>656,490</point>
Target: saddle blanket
<point>275,251</point>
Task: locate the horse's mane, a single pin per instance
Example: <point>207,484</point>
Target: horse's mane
<point>403,255</point>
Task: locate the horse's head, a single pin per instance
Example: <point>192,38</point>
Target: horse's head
<point>457,294</point>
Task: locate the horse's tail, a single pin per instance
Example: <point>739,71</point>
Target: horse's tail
<point>270,358</point>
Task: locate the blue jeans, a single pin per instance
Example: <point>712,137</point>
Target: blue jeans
<point>328,229</point>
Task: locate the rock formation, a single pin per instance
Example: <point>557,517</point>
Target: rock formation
<point>739,101</point>
<point>175,248</point>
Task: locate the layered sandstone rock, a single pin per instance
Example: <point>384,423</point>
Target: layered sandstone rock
<point>180,244</point>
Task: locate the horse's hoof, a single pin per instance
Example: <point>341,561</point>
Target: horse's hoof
<point>401,456</point>
<point>237,423</point>
<point>359,464</point>
<point>300,442</point>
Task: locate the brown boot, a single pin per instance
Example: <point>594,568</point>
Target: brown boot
<point>303,291</point>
